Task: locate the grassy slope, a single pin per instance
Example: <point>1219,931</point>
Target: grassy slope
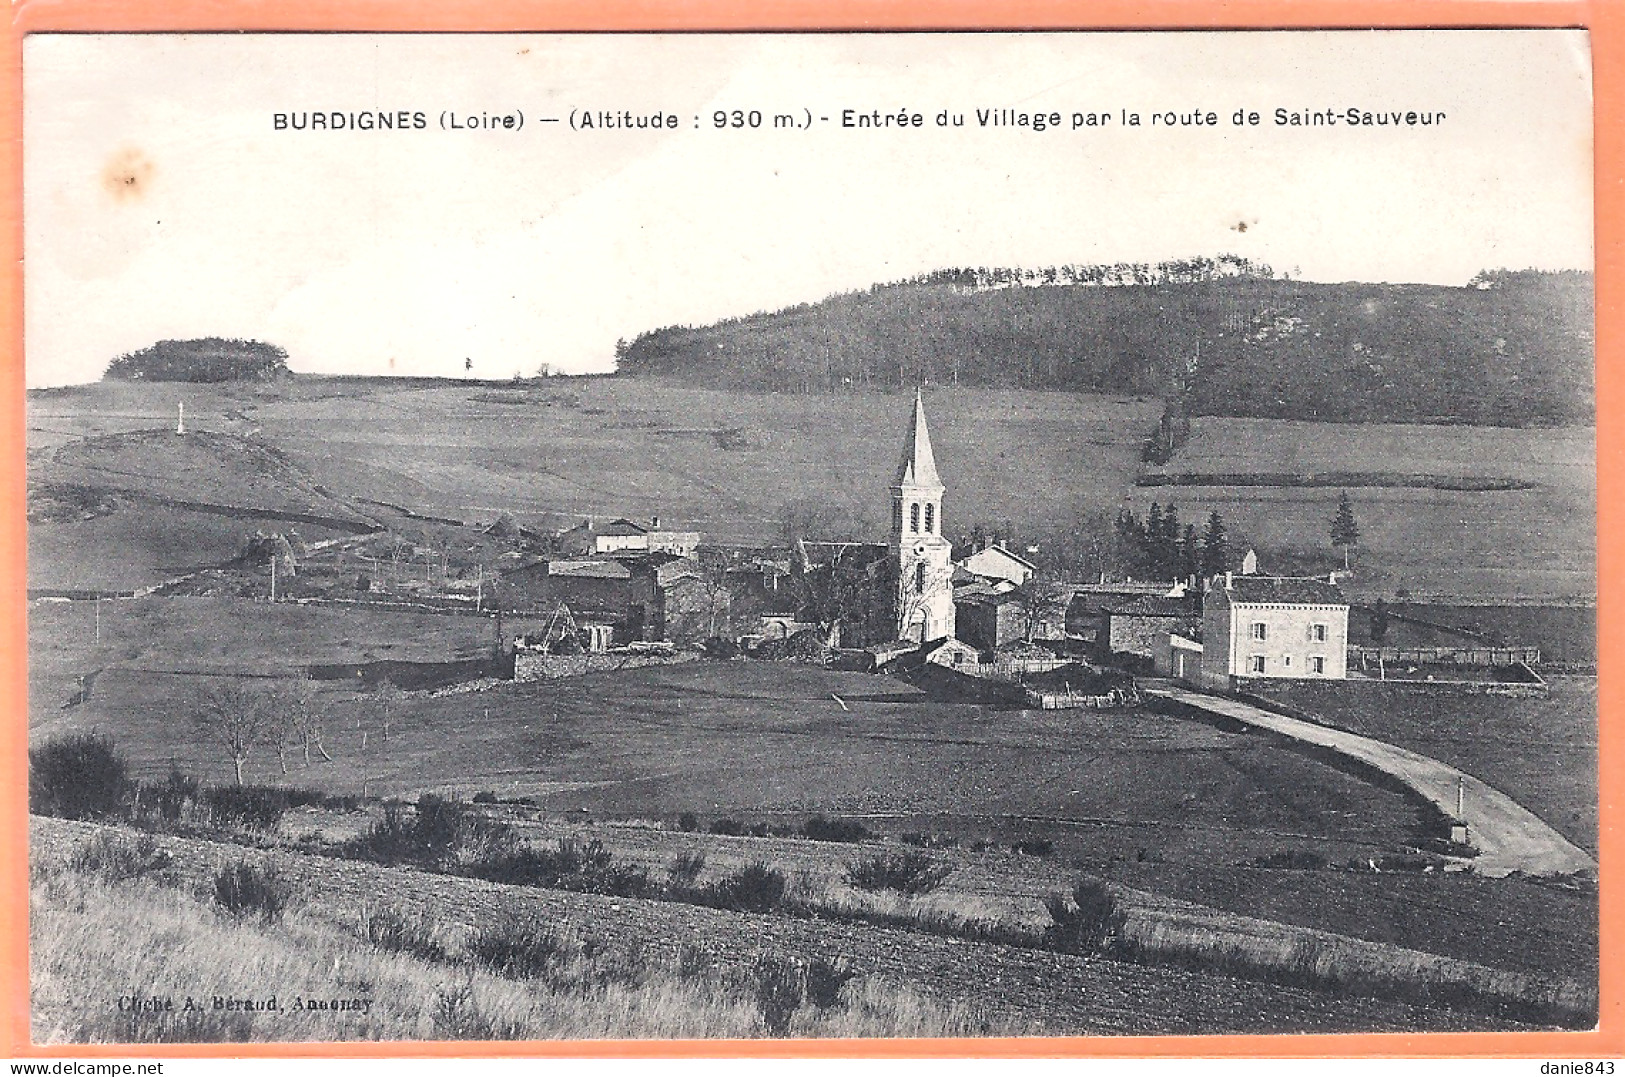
<point>142,639</point>
<point>1518,924</point>
<point>1540,541</point>
<point>934,985</point>
<point>563,449</point>
<point>1542,752</point>
<point>93,941</point>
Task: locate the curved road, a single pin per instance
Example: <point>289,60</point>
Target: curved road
<point>1508,836</point>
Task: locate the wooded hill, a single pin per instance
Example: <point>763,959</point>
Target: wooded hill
<point>1225,337</point>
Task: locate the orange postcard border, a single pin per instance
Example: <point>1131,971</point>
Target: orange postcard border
<point>1605,19</point>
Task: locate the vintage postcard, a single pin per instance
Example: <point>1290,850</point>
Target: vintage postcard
<point>847,535</point>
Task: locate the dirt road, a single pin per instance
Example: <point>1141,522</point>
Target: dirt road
<point>1508,836</point>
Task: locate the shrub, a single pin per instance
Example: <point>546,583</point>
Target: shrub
<point>819,828</point>
<point>688,822</point>
<point>389,839</point>
<point>116,857</point>
<point>399,932</point>
<point>585,868</point>
<point>825,981</point>
<point>924,840</point>
<point>441,833</point>
<point>80,776</point>
<point>1300,859</point>
<point>731,827</point>
<point>485,796</point>
<point>244,890</point>
<point>170,797</point>
<point>521,951</point>
<point>907,873</point>
<point>1033,846</point>
<point>719,647</point>
<point>686,868</point>
<point>1088,923</point>
<point>756,888</point>
<point>254,807</point>
<point>777,986</point>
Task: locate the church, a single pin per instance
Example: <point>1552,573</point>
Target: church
<point>921,557</point>
<point>874,593</point>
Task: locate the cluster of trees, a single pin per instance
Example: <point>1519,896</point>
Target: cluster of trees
<point>205,360</point>
<point>1195,270</point>
<point>242,720</point>
<point>1163,549</point>
<point>1513,349</point>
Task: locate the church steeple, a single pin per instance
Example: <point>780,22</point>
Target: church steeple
<point>918,467</point>
<point>921,555</point>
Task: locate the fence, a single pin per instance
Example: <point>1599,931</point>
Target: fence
<point>1068,700</point>
<point>1371,657</point>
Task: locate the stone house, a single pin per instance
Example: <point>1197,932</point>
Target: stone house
<point>643,599</point>
<point>1273,627</point>
<point>1140,627</point>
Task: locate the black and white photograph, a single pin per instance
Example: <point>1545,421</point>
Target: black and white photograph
<point>620,536</point>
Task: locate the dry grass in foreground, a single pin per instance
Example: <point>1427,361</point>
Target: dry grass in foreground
<point>112,925</point>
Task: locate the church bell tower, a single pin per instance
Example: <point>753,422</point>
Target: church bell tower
<point>922,557</point>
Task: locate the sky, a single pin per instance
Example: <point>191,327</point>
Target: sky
<point>161,201</point>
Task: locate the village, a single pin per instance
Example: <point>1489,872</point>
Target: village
<point>602,594</point>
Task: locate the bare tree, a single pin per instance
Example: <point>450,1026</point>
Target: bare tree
<point>303,717</point>
<point>239,719</point>
<point>1042,599</point>
<point>388,700</point>
<point>712,568</point>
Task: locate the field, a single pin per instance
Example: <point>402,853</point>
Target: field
<point>1535,542</point>
<point>771,740</point>
<point>615,966</point>
<point>1542,751</point>
<point>725,463</point>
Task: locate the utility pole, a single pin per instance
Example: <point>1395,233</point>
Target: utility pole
<point>273,577</point>
<point>479,591</point>
<point>98,618</point>
<point>1461,796</point>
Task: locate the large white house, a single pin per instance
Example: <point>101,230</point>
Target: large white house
<point>1271,627</point>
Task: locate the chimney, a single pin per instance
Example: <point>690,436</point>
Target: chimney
<point>654,523</point>
<point>1229,580</point>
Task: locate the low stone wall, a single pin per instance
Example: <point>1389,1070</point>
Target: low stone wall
<point>532,666</point>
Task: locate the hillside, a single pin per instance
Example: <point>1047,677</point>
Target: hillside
<point>129,509</point>
<point>1516,520</point>
<point>1514,349</point>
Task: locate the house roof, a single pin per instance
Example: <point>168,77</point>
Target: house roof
<point>1003,551</point>
<point>1153,606</point>
<point>607,569</point>
<point>918,466</point>
<point>624,527</point>
<point>1294,590</point>
<point>981,596</point>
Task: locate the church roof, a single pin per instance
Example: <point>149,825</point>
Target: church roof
<point>918,466</point>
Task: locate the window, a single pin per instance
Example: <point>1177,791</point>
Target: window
<point>919,577</point>
<point>1259,631</point>
<point>914,516</point>
<point>930,516</point>
<point>1317,664</point>
<point>1317,633</point>
<point>897,516</point>
<point>1255,664</point>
